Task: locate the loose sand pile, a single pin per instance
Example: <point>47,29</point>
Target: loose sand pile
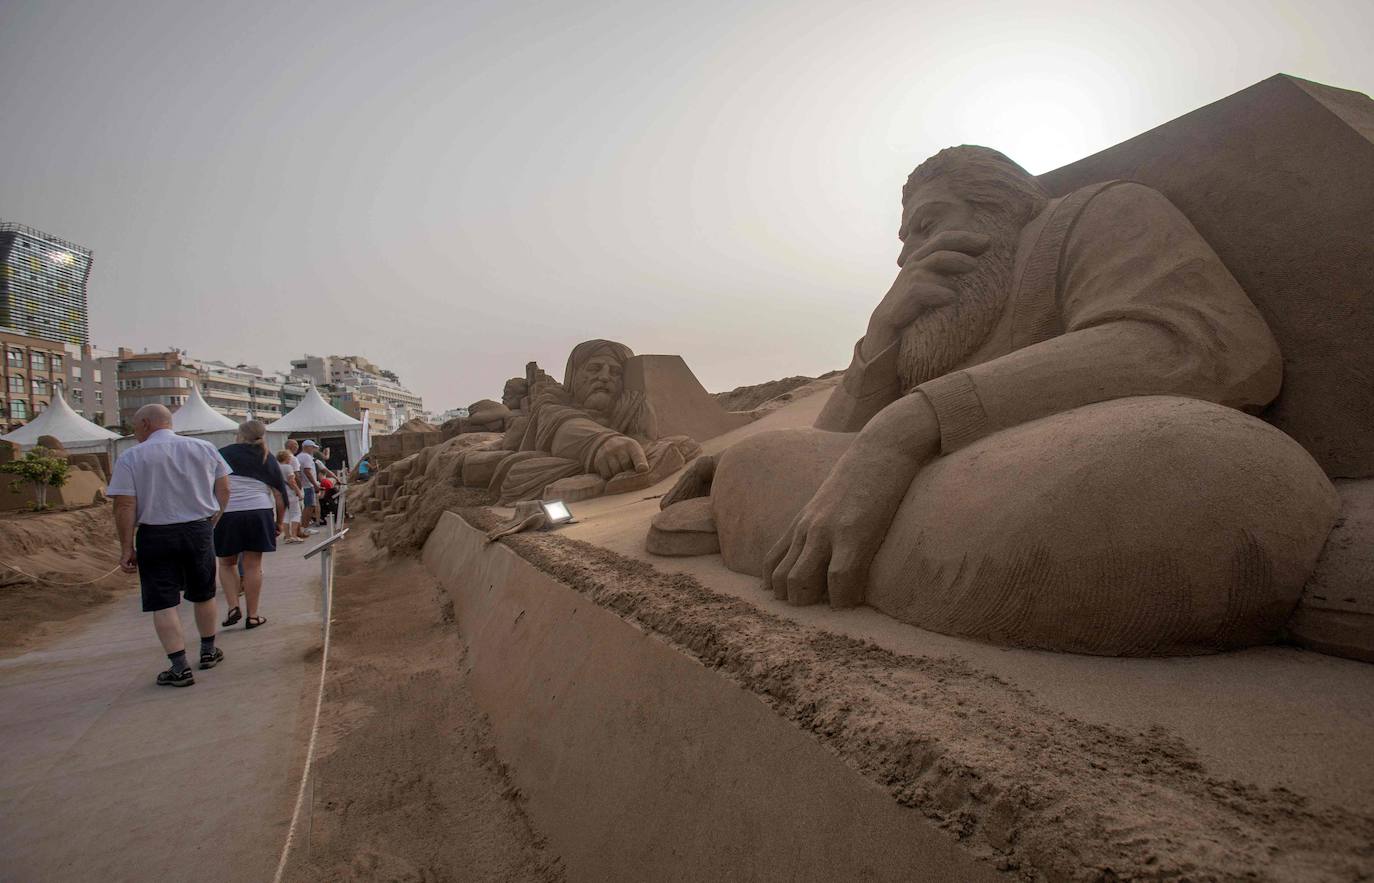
<point>748,398</point>
<point>1029,788</point>
<point>415,424</point>
<point>59,548</point>
<point>407,785</point>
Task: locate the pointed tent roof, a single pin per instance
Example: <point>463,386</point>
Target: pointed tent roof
<point>197,416</point>
<point>313,414</point>
<point>61,422</point>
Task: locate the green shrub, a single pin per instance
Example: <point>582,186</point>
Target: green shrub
<point>42,471</point>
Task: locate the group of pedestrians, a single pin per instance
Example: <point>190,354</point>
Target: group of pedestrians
<point>186,512</point>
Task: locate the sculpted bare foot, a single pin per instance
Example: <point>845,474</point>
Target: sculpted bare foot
<point>695,482</point>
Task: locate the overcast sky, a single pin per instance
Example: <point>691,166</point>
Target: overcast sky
<point>453,189</point>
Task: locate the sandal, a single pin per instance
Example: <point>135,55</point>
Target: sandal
<point>234,616</point>
<point>253,622</point>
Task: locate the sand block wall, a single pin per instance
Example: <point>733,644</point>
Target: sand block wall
<point>619,695</point>
<point>681,404</point>
<point>638,763</point>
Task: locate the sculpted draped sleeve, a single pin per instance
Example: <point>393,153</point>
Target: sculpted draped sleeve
<point>867,388</point>
<point>1147,308</point>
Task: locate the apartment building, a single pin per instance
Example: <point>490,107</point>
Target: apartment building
<point>92,384</point>
<point>292,391</point>
<point>163,378</point>
<point>357,379</point>
<point>354,403</point>
<point>33,371</point>
<point>228,389</point>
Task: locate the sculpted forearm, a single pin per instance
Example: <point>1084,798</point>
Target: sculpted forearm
<point>907,429</point>
<point>1111,361</point>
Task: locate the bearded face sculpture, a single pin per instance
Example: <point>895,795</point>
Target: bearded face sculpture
<point>598,382</point>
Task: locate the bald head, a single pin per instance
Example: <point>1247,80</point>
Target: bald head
<point>149,419</point>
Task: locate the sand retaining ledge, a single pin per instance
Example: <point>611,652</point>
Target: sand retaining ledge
<point>658,729</point>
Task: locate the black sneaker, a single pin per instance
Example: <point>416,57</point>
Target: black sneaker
<point>173,678</point>
<point>211,659</point>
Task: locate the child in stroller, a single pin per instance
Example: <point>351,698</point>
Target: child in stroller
<point>329,499</point>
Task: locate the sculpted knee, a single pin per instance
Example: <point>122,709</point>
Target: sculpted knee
<point>1142,526</point>
<point>760,485</point>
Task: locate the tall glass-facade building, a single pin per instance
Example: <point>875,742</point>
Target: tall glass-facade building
<point>43,284</point>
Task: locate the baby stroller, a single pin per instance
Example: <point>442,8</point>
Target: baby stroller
<point>329,500</point>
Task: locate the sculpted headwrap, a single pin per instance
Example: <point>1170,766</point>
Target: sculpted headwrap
<point>632,414</point>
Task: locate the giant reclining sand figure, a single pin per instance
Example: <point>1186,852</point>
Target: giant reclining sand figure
<point>617,423</point>
<point>1048,435</point>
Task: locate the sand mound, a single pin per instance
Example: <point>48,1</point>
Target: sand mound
<point>749,398</point>
<point>415,424</point>
<point>59,548</point>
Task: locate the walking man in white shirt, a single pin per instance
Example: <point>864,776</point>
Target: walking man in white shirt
<point>168,492</point>
<point>309,483</point>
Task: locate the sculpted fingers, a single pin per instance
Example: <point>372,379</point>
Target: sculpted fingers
<point>806,579</point>
<point>638,462</point>
<point>949,263</point>
<point>964,241</point>
<point>775,555</point>
<point>778,579</point>
<point>846,579</point>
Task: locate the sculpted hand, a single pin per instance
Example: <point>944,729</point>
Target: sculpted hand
<point>619,454</point>
<point>832,541</point>
<point>926,281</point>
<point>829,546</point>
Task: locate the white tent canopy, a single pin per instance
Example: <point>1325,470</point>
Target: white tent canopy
<point>197,419</point>
<point>76,433</point>
<point>196,416</point>
<point>316,416</point>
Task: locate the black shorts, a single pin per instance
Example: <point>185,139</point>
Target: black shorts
<point>175,560</point>
<point>252,530</point>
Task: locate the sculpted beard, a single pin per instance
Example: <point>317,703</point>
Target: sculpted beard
<point>939,341</point>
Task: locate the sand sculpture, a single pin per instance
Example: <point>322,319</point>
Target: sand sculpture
<point>617,423</point>
<point>587,436</point>
<point>488,416</point>
<point>1044,437</point>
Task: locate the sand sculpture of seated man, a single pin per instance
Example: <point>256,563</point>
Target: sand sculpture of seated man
<point>488,416</point>
<point>1041,439</point>
<point>582,438</point>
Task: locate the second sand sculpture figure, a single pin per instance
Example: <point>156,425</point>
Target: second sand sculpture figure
<point>1044,438</point>
<point>581,438</point>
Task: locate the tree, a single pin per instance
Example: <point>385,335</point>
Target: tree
<point>42,471</point>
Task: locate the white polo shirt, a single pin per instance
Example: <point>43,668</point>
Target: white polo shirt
<point>306,463</point>
<point>172,477</point>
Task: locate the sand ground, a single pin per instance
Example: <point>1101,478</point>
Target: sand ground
<point>407,785</point>
<point>59,548</point>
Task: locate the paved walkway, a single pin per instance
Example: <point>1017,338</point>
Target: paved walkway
<point>106,776</point>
